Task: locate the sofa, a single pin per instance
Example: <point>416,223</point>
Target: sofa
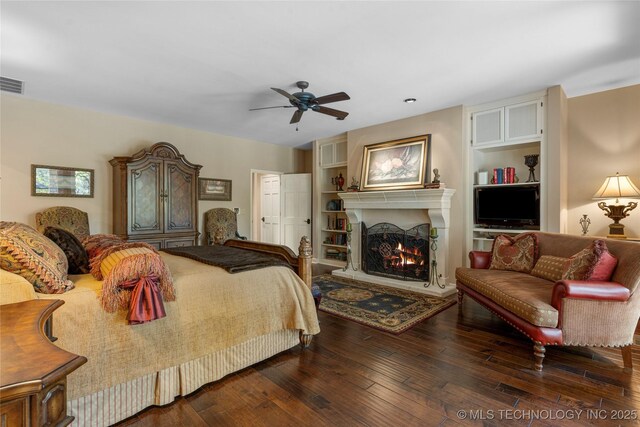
<point>548,303</point>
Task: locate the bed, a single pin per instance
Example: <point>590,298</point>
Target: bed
<point>218,324</point>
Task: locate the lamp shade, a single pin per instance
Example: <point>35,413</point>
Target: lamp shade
<point>617,186</point>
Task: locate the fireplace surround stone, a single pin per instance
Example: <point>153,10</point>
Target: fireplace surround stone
<point>436,203</point>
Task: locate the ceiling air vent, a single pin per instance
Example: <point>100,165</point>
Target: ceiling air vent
<point>11,85</point>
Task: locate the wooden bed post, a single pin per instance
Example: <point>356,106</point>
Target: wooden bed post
<point>306,274</point>
<point>304,261</point>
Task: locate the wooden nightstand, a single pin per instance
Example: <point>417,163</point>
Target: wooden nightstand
<point>33,372</point>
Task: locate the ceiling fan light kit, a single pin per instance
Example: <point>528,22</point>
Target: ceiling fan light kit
<point>305,101</point>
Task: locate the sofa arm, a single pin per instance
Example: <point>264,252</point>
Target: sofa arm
<point>599,314</point>
<point>582,289</point>
<point>480,259</point>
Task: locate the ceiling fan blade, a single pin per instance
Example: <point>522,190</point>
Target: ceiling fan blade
<point>287,94</point>
<point>340,115</point>
<point>296,117</point>
<point>334,97</point>
<point>266,108</point>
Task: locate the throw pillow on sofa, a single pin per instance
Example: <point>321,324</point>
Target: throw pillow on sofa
<point>592,263</point>
<point>514,254</point>
<point>549,267</point>
<point>26,252</point>
<point>74,251</point>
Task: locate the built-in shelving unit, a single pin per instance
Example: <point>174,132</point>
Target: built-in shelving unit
<point>330,220</point>
<point>500,135</point>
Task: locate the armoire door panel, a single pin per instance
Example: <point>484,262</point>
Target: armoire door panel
<point>180,190</point>
<point>146,194</point>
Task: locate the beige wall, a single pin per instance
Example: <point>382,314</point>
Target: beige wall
<point>448,154</point>
<point>36,132</point>
<point>604,138</point>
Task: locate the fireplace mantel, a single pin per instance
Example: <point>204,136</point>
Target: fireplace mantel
<point>436,201</point>
<point>438,204</point>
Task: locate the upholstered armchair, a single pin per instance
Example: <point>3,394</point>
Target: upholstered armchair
<point>65,217</point>
<point>220,225</point>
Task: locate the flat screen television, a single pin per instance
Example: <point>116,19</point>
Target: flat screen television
<point>507,206</point>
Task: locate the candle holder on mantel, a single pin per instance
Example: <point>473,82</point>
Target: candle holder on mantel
<point>349,259</point>
<point>434,278</point>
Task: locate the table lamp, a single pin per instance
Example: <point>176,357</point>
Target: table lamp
<point>615,187</point>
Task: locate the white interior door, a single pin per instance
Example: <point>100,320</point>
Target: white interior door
<point>270,208</point>
<point>295,209</point>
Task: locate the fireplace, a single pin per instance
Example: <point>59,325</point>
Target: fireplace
<point>390,251</point>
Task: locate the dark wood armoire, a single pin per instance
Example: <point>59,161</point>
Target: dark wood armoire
<point>155,197</point>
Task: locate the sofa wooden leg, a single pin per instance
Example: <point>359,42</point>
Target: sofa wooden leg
<point>627,357</point>
<point>305,339</point>
<point>538,353</point>
<point>460,296</point>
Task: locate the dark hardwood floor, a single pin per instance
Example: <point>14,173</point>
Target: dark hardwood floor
<point>466,360</point>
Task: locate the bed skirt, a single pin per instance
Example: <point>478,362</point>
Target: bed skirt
<point>109,406</point>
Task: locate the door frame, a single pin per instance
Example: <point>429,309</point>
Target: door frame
<point>254,204</point>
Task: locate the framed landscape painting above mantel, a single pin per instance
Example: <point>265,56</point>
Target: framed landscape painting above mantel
<point>397,165</point>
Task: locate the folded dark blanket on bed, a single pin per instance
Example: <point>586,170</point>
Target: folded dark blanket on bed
<point>234,260</point>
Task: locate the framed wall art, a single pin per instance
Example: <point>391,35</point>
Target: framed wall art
<point>396,165</point>
<point>59,181</point>
<point>214,189</point>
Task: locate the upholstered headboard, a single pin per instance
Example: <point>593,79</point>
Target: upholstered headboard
<point>65,217</point>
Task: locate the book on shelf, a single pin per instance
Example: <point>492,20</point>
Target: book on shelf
<point>505,175</point>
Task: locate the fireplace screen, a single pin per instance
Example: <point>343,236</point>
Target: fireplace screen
<point>390,251</point>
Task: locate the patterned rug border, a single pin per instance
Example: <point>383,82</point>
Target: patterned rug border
<point>442,305</point>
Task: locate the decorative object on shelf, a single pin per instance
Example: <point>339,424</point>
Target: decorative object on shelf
<point>349,259</point>
<point>355,185</point>
<point>214,189</point>
<point>61,181</point>
<point>616,187</point>
<point>584,223</point>
<point>434,278</point>
<point>436,176</point>
<point>394,165</point>
<point>340,182</point>
<point>483,177</point>
<point>531,161</point>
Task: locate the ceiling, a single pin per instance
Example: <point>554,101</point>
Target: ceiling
<point>202,65</point>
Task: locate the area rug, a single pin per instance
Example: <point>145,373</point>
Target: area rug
<point>382,307</point>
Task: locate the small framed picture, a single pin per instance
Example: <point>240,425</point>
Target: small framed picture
<point>214,189</point>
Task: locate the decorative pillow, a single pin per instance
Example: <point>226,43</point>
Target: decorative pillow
<point>549,267</point>
<point>514,254</point>
<point>74,251</point>
<point>115,257</point>
<point>592,263</point>
<point>31,255</point>
<point>96,243</point>
<point>135,277</point>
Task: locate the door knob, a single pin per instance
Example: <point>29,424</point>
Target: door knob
<point>308,221</point>
<point>262,219</point>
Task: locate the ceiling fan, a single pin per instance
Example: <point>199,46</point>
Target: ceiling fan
<point>304,101</point>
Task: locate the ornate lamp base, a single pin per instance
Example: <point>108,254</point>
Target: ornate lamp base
<point>616,213</point>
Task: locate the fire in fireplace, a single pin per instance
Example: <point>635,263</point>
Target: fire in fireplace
<point>390,251</point>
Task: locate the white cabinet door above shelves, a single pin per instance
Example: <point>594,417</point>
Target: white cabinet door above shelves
<point>506,125</point>
<point>333,154</point>
<point>523,120</point>
<point>488,126</point>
